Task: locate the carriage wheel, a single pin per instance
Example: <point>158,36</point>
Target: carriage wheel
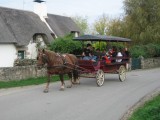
<point>122,73</point>
<point>100,77</point>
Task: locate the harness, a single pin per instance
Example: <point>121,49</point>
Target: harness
<point>62,57</point>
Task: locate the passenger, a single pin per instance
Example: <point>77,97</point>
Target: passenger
<point>87,53</point>
<point>107,58</point>
<point>103,53</point>
<point>97,54</point>
<point>119,54</point>
<point>114,53</point>
<point>126,54</point>
<point>93,54</point>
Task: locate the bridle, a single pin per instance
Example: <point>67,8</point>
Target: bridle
<point>44,59</point>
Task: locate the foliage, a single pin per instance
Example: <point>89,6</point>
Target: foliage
<point>150,111</point>
<point>147,51</point>
<point>101,25</point>
<point>100,45</point>
<point>137,51</point>
<point>66,45</point>
<point>143,20</point>
<point>82,23</point>
<point>118,27</point>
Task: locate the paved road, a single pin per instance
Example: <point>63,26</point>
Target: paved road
<point>83,102</point>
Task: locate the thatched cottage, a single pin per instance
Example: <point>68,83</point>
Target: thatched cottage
<point>21,31</point>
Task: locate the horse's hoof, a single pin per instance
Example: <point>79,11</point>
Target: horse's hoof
<point>45,91</point>
<point>69,86</point>
<point>74,83</point>
<point>61,89</point>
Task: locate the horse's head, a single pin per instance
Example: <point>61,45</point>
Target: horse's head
<point>42,58</point>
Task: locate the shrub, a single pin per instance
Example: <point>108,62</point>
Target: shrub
<point>137,51</point>
<point>147,51</point>
<point>66,45</point>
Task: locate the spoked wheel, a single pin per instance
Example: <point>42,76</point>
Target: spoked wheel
<point>100,77</point>
<point>122,73</point>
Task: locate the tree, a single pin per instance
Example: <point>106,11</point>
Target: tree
<point>82,23</point>
<point>143,20</point>
<point>116,27</point>
<point>101,25</point>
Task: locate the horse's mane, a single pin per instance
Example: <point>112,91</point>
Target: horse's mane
<point>50,54</point>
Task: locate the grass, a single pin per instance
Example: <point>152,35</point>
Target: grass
<point>150,110</point>
<point>27,82</point>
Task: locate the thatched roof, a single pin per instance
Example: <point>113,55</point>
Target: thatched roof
<point>18,26</point>
<point>5,35</point>
<point>61,25</point>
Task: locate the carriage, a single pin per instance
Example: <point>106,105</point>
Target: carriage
<point>69,64</point>
<point>97,70</point>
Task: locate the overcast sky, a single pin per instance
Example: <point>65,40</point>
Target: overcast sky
<point>90,8</point>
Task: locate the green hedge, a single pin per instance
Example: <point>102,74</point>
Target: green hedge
<point>66,45</point>
<point>147,51</point>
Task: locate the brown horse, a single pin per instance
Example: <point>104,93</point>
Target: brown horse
<point>58,64</point>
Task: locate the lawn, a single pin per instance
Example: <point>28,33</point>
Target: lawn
<point>150,110</point>
<point>27,82</point>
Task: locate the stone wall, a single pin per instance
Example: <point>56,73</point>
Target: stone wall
<point>150,62</point>
<point>31,71</point>
<point>20,73</point>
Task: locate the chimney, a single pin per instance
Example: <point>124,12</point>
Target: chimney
<point>40,8</point>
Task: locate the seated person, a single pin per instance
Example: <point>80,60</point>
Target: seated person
<point>97,54</point>
<point>107,58</point>
<point>103,52</point>
<point>87,53</point>
<point>119,54</point>
<point>113,54</point>
<point>126,54</point>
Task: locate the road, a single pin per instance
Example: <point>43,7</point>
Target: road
<point>81,102</point>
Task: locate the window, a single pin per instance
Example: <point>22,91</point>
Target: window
<point>21,54</point>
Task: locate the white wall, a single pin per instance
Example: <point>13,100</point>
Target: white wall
<point>32,49</point>
<point>7,55</point>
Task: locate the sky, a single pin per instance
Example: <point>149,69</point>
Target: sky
<point>92,9</point>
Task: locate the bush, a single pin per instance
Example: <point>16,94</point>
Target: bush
<point>137,51</point>
<point>66,45</point>
<point>147,51</point>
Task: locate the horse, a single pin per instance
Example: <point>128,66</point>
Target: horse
<point>58,64</point>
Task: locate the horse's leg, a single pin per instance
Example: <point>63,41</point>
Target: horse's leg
<point>48,81</point>
<point>62,82</point>
<point>75,77</point>
<point>70,76</point>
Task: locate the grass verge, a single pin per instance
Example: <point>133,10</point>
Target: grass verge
<point>27,82</point>
<point>150,110</point>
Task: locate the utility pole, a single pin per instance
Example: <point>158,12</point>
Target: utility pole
<point>23,4</point>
